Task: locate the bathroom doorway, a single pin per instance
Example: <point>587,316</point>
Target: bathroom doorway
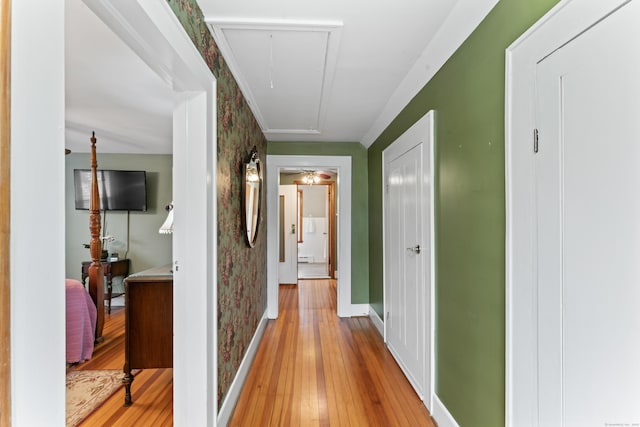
<point>316,225</point>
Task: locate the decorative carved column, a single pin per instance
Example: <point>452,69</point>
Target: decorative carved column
<point>96,274</point>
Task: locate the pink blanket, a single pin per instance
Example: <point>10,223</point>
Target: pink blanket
<point>81,322</point>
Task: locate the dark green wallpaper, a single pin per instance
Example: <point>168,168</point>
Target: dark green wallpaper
<point>359,203</point>
<point>468,96</point>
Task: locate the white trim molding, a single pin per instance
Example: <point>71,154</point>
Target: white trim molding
<point>229,403</point>
<point>561,24</point>
<point>357,310</point>
<point>441,414</point>
<point>343,203</point>
<point>377,321</point>
<point>37,295</point>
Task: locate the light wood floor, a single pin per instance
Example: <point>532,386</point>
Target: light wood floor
<point>152,389</point>
<point>315,369</point>
<point>312,369</point>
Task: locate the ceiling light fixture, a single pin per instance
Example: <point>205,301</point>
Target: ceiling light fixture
<point>310,178</point>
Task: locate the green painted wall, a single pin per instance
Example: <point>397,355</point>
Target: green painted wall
<point>468,97</point>
<point>359,203</point>
<point>147,248</point>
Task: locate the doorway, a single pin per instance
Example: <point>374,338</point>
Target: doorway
<point>342,166</point>
<point>409,254</point>
<point>307,221</point>
<point>316,225</point>
<point>153,32</point>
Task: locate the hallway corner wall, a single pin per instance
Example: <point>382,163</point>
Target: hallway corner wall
<point>468,96</point>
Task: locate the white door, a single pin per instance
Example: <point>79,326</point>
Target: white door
<point>313,246</point>
<point>588,216</point>
<point>288,266</point>
<point>408,252</point>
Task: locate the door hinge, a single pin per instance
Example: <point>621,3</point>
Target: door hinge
<point>535,140</point>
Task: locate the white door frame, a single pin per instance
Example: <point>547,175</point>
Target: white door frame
<point>37,294</point>
<point>343,211</point>
<point>151,29</point>
<point>397,148</point>
<point>560,25</point>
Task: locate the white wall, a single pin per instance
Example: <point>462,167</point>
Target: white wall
<point>37,213</point>
<point>314,200</point>
<point>315,240</point>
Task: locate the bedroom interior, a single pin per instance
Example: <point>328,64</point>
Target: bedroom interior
<point>84,298</point>
<point>131,137</point>
<point>135,234</point>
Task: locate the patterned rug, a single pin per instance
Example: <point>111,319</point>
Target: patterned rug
<point>87,390</point>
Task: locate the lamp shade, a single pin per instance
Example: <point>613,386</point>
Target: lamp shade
<point>167,226</point>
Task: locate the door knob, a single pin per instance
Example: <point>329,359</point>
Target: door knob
<point>416,249</point>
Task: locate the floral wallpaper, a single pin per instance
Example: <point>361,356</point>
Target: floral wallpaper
<point>242,282</point>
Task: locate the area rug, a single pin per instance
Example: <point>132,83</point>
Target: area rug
<point>87,390</point>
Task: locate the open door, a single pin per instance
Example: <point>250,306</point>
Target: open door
<point>288,235</point>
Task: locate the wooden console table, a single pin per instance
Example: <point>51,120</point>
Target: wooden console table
<point>111,269</point>
<point>148,324</point>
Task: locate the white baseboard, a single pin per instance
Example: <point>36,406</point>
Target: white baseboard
<point>359,310</point>
<point>377,321</point>
<point>229,403</point>
<point>117,301</point>
<point>441,414</point>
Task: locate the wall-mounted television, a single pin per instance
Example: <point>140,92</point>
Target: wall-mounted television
<point>119,190</point>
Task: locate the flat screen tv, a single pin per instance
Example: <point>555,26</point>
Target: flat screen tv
<point>119,190</point>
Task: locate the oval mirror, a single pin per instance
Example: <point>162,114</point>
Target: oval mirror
<point>251,199</point>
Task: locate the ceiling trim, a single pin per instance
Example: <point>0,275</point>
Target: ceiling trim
<point>332,28</point>
<point>461,22</point>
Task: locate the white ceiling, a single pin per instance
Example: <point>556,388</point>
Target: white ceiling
<point>333,70</point>
<point>109,89</point>
<point>336,70</point>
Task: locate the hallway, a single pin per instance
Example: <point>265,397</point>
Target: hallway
<point>313,368</point>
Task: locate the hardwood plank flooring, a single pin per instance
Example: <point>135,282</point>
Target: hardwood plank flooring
<point>315,369</point>
<point>152,389</point>
<point>312,369</point>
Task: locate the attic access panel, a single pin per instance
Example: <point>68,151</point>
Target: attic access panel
<point>284,70</point>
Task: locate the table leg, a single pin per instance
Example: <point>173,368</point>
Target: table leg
<point>109,293</point>
<point>127,380</point>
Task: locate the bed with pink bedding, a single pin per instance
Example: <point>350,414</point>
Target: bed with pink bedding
<point>81,322</point>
